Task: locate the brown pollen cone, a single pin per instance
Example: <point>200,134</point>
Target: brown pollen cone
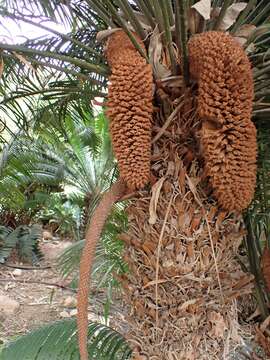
<point>228,136</point>
<point>130,109</point>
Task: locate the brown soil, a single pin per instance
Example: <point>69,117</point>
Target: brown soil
<point>39,303</point>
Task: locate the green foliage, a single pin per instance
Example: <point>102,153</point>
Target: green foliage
<point>260,209</point>
<point>58,341</point>
<point>257,218</point>
<point>108,259</point>
<point>35,82</point>
<point>62,215</point>
<point>68,69</point>
<point>75,154</point>
<point>24,239</point>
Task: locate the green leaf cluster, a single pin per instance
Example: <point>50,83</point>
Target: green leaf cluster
<point>24,239</point>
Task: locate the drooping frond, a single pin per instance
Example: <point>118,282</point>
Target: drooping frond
<point>59,341</point>
<point>65,68</point>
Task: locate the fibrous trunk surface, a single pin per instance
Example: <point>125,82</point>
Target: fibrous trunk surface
<point>184,279</point>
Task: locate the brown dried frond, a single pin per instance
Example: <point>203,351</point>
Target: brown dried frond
<point>182,309</point>
<point>265,262</point>
<point>130,109</point>
<point>228,136</point>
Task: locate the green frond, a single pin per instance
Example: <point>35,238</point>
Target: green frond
<point>24,239</point>
<point>68,261</point>
<point>6,246</point>
<point>259,14</point>
<point>55,10</point>
<point>28,248</point>
<point>58,341</point>
<point>108,255</point>
<point>78,154</point>
<point>257,218</point>
<point>260,209</point>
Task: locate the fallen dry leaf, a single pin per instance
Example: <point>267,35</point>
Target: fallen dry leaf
<point>218,325</point>
<point>263,340</point>
<point>193,189</point>
<point>265,324</point>
<point>188,303</point>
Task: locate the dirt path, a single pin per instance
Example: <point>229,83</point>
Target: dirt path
<point>38,303</point>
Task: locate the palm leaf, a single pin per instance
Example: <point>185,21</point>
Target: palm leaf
<point>24,239</point>
<point>108,259</point>
<point>56,10</point>
<point>59,341</point>
<point>77,153</point>
<point>257,218</point>
<point>28,243</point>
<point>9,239</point>
<point>68,261</point>
<point>4,249</point>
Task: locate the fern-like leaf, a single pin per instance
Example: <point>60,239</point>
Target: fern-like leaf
<point>24,239</point>
<point>58,341</point>
<point>28,243</point>
<point>9,240</point>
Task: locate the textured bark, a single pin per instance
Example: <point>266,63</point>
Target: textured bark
<point>93,234</point>
<point>228,136</point>
<point>184,279</point>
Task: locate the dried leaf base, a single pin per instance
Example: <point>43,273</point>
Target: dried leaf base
<point>184,278</point>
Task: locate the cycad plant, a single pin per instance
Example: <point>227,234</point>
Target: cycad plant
<point>184,279</point>
<point>77,156</point>
<point>24,239</point>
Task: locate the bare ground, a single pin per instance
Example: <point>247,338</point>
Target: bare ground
<point>39,303</point>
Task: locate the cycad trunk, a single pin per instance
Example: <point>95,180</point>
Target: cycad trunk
<point>184,278</point>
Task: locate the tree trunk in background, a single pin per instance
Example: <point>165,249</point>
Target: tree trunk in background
<point>184,281</point>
